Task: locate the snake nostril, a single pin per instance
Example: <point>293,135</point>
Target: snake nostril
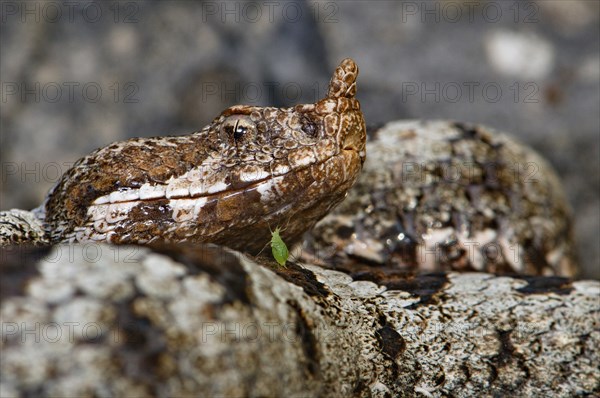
<point>309,127</point>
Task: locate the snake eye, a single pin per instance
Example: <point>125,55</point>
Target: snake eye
<point>237,128</point>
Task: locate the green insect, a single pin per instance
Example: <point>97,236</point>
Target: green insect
<point>279,248</point>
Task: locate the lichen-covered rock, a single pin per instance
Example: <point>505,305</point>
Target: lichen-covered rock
<point>449,196</point>
<point>97,320</point>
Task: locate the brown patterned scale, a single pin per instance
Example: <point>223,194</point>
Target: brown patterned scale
<point>251,168</point>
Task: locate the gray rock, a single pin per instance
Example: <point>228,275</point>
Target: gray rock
<point>205,321</point>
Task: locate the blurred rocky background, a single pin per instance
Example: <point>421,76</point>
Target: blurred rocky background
<point>77,75</point>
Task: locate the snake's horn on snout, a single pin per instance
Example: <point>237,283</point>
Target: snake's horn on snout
<point>343,82</point>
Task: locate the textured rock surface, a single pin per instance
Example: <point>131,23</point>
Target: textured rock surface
<point>439,195</point>
<point>204,321</point>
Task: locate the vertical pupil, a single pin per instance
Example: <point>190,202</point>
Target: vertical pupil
<point>238,131</point>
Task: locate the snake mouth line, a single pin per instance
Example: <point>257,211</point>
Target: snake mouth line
<point>255,184</point>
<point>132,195</point>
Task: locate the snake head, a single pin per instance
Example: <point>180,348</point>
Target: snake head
<point>250,168</point>
<point>328,137</point>
<point>299,161</point>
